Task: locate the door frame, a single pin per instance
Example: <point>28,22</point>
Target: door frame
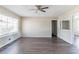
<point>56,29</point>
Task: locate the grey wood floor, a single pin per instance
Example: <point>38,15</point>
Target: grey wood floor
<point>39,46</point>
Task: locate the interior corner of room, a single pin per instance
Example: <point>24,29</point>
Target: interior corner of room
<point>64,24</point>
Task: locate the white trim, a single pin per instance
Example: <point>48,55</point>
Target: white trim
<point>7,34</point>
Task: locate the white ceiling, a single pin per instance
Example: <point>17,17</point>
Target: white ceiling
<point>53,11</point>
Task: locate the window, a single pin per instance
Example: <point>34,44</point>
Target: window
<point>12,24</point>
<point>65,24</point>
<point>8,25</point>
<point>76,25</point>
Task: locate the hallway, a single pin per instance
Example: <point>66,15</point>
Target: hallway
<point>39,46</point>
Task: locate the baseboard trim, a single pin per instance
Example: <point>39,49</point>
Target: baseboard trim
<point>5,46</point>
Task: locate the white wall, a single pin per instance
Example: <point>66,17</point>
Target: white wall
<point>76,24</point>
<point>68,35</point>
<point>36,27</point>
<point>5,40</point>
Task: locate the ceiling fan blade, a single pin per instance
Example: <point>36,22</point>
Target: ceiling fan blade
<point>42,10</point>
<point>45,8</point>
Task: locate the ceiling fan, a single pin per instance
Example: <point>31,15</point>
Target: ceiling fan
<point>40,8</point>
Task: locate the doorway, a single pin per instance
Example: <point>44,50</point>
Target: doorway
<point>76,32</point>
<point>54,28</point>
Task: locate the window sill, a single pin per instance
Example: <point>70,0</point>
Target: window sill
<point>8,34</point>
